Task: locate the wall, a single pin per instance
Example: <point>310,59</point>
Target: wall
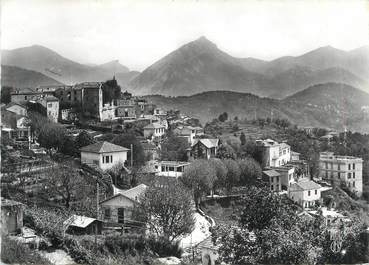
<point>113,205</point>
<point>11,219</point>
<point>52,110</point>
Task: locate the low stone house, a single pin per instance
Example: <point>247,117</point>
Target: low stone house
<point>11,217</point>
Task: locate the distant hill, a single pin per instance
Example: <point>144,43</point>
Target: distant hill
<point>200,66</point>
<point>21,78</point>
<point>209,105</point>
<point>50,63</point>
<point>332,97</point>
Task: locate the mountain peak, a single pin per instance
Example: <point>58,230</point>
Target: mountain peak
<point>203,41</point>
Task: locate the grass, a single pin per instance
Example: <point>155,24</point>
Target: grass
<point>14,252</point>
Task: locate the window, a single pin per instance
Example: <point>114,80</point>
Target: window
<point>162,168</point>
<point>107,213</point>
<point>353,184</point>
<point>349,166</point>
<point>171,168</point>
<point>120,215</point>
<point>353,175</point>
<point>25,97</point>
<point>49,105</point>
<point>271,187</point>
<point>309,193</point>
<point>348,175</point>
<point>316,192</point>
<point>353,166</point>
<point>106,159</point>
<point>111,159</point>
<point>271,179</point>
<point>277,178</point>
<point>339,166</point>
<point>326,165</point>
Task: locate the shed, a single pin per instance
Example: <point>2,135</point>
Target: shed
<point>83,225</point>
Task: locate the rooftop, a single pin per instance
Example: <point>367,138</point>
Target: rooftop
<point>209,143</point>
<point>271,173</point>
<point>155,125</point>
<point>135,192</point>
<point>103,147</point>
<point>79,221</point>
<point>305,184</point>
<point>174,163</point>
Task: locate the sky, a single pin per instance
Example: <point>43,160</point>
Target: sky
<point>140,32</point>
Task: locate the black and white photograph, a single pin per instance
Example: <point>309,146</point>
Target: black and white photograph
<point>184,132</point>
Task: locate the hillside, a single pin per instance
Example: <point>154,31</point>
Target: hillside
<point>200,66</point>
<point>21,78</point>
<point>208,105</point>
<point>52,64</point>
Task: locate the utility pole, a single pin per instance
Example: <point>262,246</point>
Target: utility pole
<point>97,210</point>
<point>131,155</point>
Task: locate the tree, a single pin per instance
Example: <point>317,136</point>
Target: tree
<point>220,172</point>
<point>83,139</point>
<point>226,151</point>
<point>223,117</point>
<point>167,210</point>
<point>66,182</point>
<point>174,148</point>
<point>243,138</point>
<point>200,177</point>
<point>128,139</point>
<point>233,173</point>
<point>250,171</point>
<point>51,136</point>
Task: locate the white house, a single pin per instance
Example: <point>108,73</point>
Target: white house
<point>305,192</point>
<point>171,168</point>
<point>154,129</point>
<point>103,154</point>
<point>274,154</point>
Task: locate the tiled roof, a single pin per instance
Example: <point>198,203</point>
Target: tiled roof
<point>271,173</point>
<point>11,104</point>
<point>103,147</point>
<point>155,125</point>
<point>305,185</point>
<point>51,98</point>
<point>209,143</point>
<point>135,192</point>
<point>207,243</point>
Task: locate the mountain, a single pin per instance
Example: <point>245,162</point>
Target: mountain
<point>200,66</point>
<point>355,61</point>
<point>124,78</point>
<point>303,108</point>
<point>50,63</point>
<point>197,67</point>
<point>21,78</point>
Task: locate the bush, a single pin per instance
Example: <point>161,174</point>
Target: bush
<point>15,252</point>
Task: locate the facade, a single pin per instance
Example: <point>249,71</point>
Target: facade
<point>22,96</point>
<point>119,207</point>
<point>274,154</point>
<point>154,130</point>
<point>347,170</point>
<point>69,95</point>
<point>173,169</point>
<point>305,193</point>
<point>204,148</point>
<point>104,154</point>
<point>11,216</point>
<point>51,104</point>
<point>274,179</point>
<point>14,126</point>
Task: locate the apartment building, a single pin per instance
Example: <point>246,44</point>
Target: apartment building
<point>274,154</point>
<point>339,170</point>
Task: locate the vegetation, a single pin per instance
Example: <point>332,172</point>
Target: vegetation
<point>174,148</point>
<point>167,211</point>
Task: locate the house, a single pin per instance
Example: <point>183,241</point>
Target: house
<point>17,108</point>
<point>209,252</point>
<point>154,130</point>
<point>189,132</point>
<point>103,154</point>
<point>22,96</point>
<point>347,170</point>
<point>51,104</point>
<point>305,192</point>
<point>119,207</point>
<point>171,168</point>
<point>274,179</point>
<point>274,154</point>
<point>82,225</point>
<point>14,126</point>
<point>11,216</point>
<point>204,148</point>
<point>287,175</point>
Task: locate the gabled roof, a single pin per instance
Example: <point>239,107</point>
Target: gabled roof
<point>155,125</point>
<point>79,221</point>
<point>271,173</point>
<point>11,104</point>
<point>103,147</point>
<point>135,192</point>
<point>209,143</point>
<point>305,184</point>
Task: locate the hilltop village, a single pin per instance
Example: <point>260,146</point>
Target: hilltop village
<point>106,177</point>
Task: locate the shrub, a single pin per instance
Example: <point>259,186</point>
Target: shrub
<point>13,252</point>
